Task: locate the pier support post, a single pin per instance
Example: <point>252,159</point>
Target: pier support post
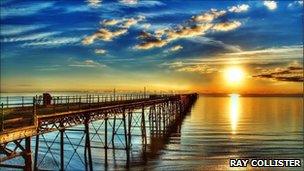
<point>88,144</point>
<point>61,147</point>
<point>28,155</point>
<point>129,128</point>
<point>152,120</point>
<point>158,118</point>
<point>164,118</point>
<point>126,136</point>
<point>113,132</point>
<point>36,153</point>
<point>143,128</point>
<point>106,140</point>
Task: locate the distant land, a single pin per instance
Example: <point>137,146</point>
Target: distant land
<point>252,95</point>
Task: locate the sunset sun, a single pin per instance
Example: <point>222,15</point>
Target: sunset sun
<point>234,75</point>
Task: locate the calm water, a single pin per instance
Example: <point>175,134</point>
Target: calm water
<point>218,128</point>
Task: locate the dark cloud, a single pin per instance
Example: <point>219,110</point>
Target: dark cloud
<point>198,25</point>
<point>291,73</point>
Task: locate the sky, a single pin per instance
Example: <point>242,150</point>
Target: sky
<point>177,45</point>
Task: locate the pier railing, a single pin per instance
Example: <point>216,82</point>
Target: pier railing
<point>25,109</point>
<point>24,101</point>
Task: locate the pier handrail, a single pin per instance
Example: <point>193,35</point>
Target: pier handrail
<point>26,101</point>
<point>28,112</point>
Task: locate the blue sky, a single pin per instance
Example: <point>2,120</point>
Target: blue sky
<point>128,44</point>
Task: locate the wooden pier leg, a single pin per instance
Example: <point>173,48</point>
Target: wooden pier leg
<point>88,143</point>
<point>106,140</point>
<point>28,154</point>
<point>36,153</point>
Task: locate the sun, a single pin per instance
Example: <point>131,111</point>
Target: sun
<point>234,75</point>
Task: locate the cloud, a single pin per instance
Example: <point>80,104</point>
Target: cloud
<point>137,3</point>
<point>156,40</point>
<point>118,27</point>
<point>100,51</point>
<point>261,58</point>
<point>103,34</point>
<point>196,26</point>
<point>151,43</point>
<point>48,68</point>
<point>216,43</point>
<point>128,22</point>
<point>24,9</point>
<point>9,30</point>
<point>56,41</point>
<point>173,49</point>
<point>123,23</point>
<point>265,57</point>
<point>29,37</point>
<point>185,67</point>
<point>129,2</point>
<point>176,48</point>
<point>295,4</point>
<point>203,69</point>
<point>191,31</point>
<point>271,5</point>
<point>226,26</point>
<point>239,8</point>
<point>145,26</point>
<point>87,64</point>
<point>110,22</point>
<point>292,73</point>
<point>94,3</point>
<point>208,16</point>
<point>294,51</point>
<point>271,63</point>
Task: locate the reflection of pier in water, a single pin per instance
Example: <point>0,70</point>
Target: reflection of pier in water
<point>106,123</point>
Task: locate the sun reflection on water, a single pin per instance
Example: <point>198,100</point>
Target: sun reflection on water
<point>234,112</point>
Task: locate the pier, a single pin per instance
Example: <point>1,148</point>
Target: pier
<point>25,123</point>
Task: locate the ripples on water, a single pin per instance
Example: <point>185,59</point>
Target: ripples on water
<point>218,128</point>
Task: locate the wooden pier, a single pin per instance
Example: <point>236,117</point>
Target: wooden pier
<point>23,121</point>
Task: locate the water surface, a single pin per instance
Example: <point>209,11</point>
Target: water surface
<point>219,128</point>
